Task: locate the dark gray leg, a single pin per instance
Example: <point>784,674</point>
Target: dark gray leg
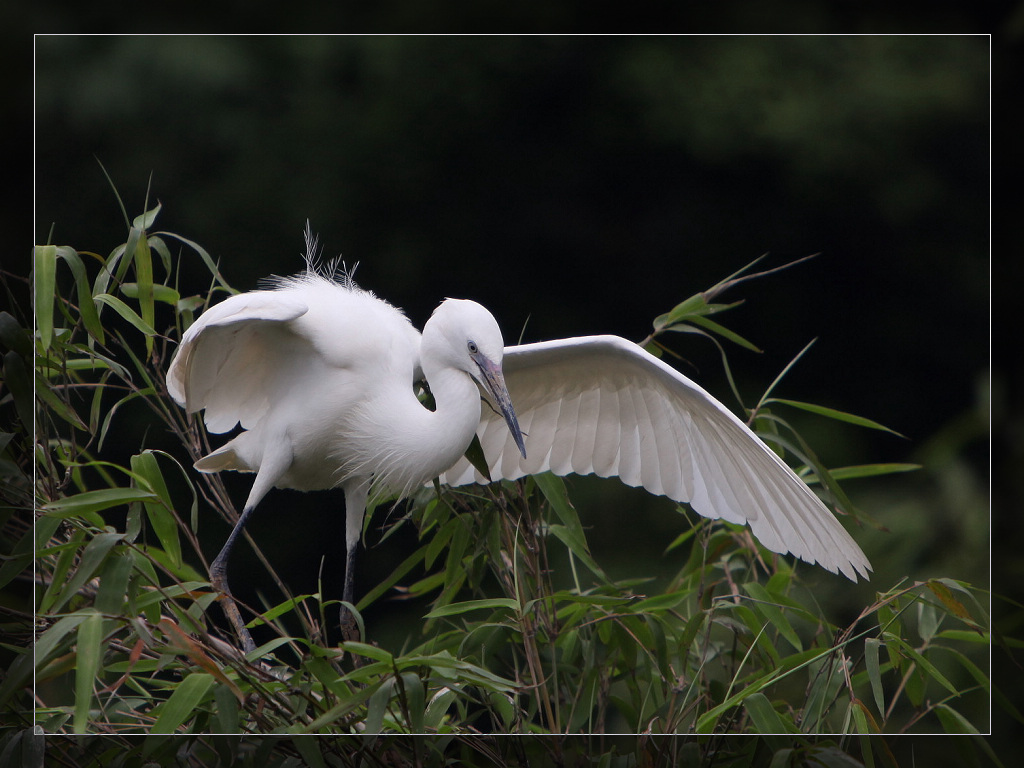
<point>356,494</point>
<point>349,628</point>
<point>219,581</point>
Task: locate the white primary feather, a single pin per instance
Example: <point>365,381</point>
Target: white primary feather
<point>605,406</point>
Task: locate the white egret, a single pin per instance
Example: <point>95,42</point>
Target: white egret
<point>320,375</point>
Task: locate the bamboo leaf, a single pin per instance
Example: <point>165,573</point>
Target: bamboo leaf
<point>475,456</point>
<point>453,609</point>
<point>56,405</point>
<point>377,705</point>
<point>690,306</point>
<point>369,651</point>
<point>570,532</point>
<point>160,510</point>
<point>766,606</point>
<point>127,313</point>
<point>953,605</point>
<point>114,583</point>
<point>926,666</point>
<point>44,273</point>
<point>578,547</point>
<point>870,470</point>
<point>183,702</point>
<point>832,413</point>
<point>90,637</point>
<point>279,610</point>
<point>94,501</point>
<point>13,336</point>
<point>764,716</point>
<point>18,382</point>
<point>871,646</point>
<point>309,749</point>
<point>86,305</point>
<point>207,259</point>
<point>227,702</point>
<point>145,220</point>
<point>162,293</point>
<point>724,332</point>
<point>144,275</point>
<point>765,397</point>
<point>93,555</point>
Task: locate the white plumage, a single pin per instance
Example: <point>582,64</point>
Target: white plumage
<point>603,405</point>
<point>320,375</point>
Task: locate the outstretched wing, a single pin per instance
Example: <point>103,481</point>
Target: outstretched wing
<point>232,356</point>
<point>603,405</point>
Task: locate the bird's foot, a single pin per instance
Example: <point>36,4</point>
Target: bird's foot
<point>349,626</point>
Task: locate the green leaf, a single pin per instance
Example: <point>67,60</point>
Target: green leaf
<point>954,722</point>
<point>127,313</point>
<point>18,382</point>
<point>114,583</point>
<point>279,610</point>
<point>369,651</point>
<point>56,405</point>
<point>377,705</point>
<point>926,666</point>
<point>44,272</point>
<point>162,293</point>
<point>24,552</point>
<point>183,702</point>
<point>207,259</point>
<point>453,609</point>
<point>145,220</point>
<point>870,470</point>
<point>144,275</point>
<point>663,602</point>
<point>578,547</point>
<point>226,723</point>
<point>309,749</point>
<point>159,511</point>
<point>19,674</point>
<point>88,502</point>
<point>724,332</point>
<point>871,646</point>
<point>954,606</point>
<point>87,664</point>
<point>763,715</point>
<point>765,605</point>
<point>92,558</point>
<point>475,456</point>
<point>570,532</point>
<point>439,541</point>
<point>397,575</point>
<point>832,413</point>
<point>764,398</point>
<point>690,306</point>
<point>793,663</point>
<point>13,336</point>
<point>86,305</point>
<point>415,695</point>
<point>340,710</point>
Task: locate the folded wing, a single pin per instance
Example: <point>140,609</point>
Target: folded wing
<point>603,405</point>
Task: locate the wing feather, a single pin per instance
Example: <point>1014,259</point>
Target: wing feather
<point>230,356</point>
<point>603,405</point>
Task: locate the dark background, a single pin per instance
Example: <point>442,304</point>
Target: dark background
<point>580,185</point>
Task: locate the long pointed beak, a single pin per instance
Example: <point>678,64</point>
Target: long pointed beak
<point>494,382</point>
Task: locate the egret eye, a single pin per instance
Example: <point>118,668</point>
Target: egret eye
<point>473,348</point>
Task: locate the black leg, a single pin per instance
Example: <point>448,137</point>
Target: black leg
<point>219,581</point>
<point>349,628</point>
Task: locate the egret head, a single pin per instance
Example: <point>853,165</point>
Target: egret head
<point>466,336</point>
